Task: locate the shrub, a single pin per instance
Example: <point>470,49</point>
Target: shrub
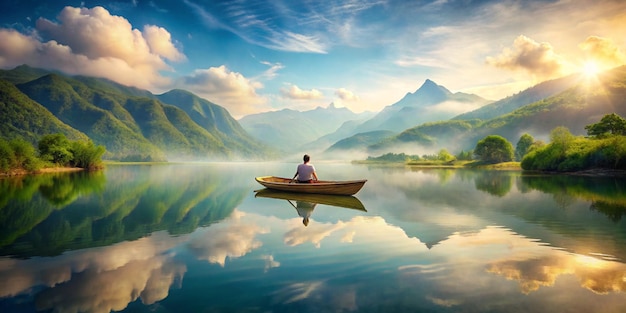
<point>55,148</point>
<point>6,156</point>
<point>24,156</point>
<point>494,149</point>
<point>86,154</point>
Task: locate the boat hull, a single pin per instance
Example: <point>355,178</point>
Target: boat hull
<point>327,187</point>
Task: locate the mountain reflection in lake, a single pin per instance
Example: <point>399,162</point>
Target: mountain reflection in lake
<point>193,237</point>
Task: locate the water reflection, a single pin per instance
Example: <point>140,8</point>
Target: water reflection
<point>49,214</point>
<point>196,238</point>
<point>306,203</point>
<point>606,194</point>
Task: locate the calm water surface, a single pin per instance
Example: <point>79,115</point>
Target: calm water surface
<point>194,238</point>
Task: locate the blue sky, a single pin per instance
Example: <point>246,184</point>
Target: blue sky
<point>256,56</point>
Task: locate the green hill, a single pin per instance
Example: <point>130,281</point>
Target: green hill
<point>361,139</point>
<point>579,102</point>
<point>21,117</point>
<point>131,123</point>
<point>509,104</point>
<point>217,121</point>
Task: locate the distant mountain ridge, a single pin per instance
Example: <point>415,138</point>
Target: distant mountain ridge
<point>292,131</point>
<point>427,104</point>
<point>570,101</point>
<point>132,122</point>
<point>530,95</point>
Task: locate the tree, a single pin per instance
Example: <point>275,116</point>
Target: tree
<point>86,154</point>
<point>465,155</point>
<point>55,148</point>
<point>6,156</point>
<point>494,149</point>
<point>523,146</point>
<point>561,138</point>
<point>610,124</point>
<point>445,156</point>
<point>24,156</point>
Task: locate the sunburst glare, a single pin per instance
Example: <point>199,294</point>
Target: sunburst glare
<point>590,69</point>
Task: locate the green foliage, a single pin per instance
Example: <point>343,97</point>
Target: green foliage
<point>87,154</point>
<point>19,154</point>
<point>394,158</point>
<point>465,155</point>
<point>610,124</point>
<point>6,156</point>
<point>445,156</point>
<point>55,148</point>
<point>561,136</point>
<point>579,154</point>
<point>24,156</point>
<point>127,121</point>
<point>494,149</point>
<point>523,146</point>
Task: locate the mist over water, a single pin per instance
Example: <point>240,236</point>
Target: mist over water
<point>194,237</point>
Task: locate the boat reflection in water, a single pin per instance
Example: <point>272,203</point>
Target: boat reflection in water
<point>305,203</point>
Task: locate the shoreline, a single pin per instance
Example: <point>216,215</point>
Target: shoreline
<point>47,170</point>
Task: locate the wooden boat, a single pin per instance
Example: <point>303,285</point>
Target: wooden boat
<point>349,202</point>
<point>328,187</point>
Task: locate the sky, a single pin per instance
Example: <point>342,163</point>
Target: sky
<point>258,56</point>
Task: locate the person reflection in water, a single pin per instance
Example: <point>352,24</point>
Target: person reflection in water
<point>305,172</point>
<point>304,210</point>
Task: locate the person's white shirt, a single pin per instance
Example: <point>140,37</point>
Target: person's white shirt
<point>305,171</point>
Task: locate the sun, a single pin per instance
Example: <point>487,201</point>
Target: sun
<point>590,69</point>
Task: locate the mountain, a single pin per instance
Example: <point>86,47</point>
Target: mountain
<point>21,117</point>
<point>359,140</point>
<point>131,123</point>
<point>431,102</point>
<point>291,130</point>
<point>572,102</point>
<point>214,119</point>
<point>584,103</point>
<point>530,95</point>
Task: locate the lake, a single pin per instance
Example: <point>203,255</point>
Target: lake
<point>194,238</point>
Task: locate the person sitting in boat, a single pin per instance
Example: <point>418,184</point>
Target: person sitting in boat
<point>306,171</point>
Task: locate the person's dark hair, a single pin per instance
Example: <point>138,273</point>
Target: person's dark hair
<point>306,158</point>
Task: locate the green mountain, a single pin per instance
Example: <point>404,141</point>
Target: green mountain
<point>131,123</point>
<point>359,140</point>
<point>216,120</point>
<point>103,117</point>
<point>21,117</point>
<point>509,104</point>
<point>573,102</point>
<point>584,103</point>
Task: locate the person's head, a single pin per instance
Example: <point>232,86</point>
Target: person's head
<point>305,221</point>
<point>306,158</point>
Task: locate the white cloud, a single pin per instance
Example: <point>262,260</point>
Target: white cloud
<point>346,95</point>
<point>272,71</point>
<point>294,92</point>
<point>93,42</point>
<point>99,279</point>
<point>231,239</point>
<point>538,59</point>
<point>224,87</point>
<point>160,42</point>
<point>603,51</point>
